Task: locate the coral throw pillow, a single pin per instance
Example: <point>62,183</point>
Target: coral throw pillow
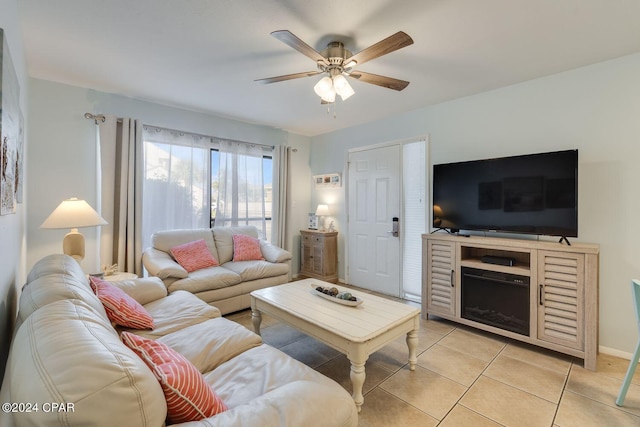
<point>121,308</point>
<point>246,248</point>
<point>189,397</point>
<point>193,256</point>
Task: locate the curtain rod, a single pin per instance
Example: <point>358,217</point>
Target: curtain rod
<point>98,117</point>
<point>271,147</point>
<point>95,117</point>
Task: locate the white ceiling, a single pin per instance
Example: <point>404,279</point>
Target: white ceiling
<point>204,55</point>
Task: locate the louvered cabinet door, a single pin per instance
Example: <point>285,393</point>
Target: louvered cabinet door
<point>561,298</point>
<point>440,277</point>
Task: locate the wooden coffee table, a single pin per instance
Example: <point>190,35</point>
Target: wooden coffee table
<point>354,331</point>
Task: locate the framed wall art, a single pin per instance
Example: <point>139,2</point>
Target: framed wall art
<point>11,132</point>
<point>329,180</point>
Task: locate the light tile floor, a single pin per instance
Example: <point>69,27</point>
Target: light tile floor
<point>466,377</point>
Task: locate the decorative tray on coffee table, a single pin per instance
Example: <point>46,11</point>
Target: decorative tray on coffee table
<point>334,298</point>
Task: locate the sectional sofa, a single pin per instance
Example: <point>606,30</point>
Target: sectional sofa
<point>68,361</point>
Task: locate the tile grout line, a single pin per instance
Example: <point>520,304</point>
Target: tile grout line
<point>472,384</point>
<point>564,390</point>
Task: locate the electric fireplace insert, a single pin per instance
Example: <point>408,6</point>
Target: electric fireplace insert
<point>496,299</point>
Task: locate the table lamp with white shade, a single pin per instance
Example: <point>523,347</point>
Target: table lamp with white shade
<point>321,212</point>
<point>73,214</point>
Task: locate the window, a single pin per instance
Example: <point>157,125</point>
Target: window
<point>196,181</point>
<point>254,204</point>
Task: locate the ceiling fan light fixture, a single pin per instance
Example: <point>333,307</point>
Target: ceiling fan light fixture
<point>324,87</point>
<point>342,87</point>
<point>330,96</point>
<point>337,62</point>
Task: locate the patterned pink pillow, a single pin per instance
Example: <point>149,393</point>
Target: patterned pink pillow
<point>246,248</point>
<point>189,397</point>
<point>120,307</point>
<point>193,256</point>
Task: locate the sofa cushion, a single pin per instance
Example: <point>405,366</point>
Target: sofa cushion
<point>210,343</point>
<point>276,396</point>
<point>65,353</point>
<point>246,248</point>
<point>121,309</point>
<point>206,279</point>
<point>223,237</point>
<point>166,239</point>
<point>51,287</point>
<point>189,397</point>
<point>177,311</point>
<point>253,270</point>
<point>193,256</point>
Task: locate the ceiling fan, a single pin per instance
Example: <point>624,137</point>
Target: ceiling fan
<point>337,62</point>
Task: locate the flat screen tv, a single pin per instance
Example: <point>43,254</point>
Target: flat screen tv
<point>529,194</point>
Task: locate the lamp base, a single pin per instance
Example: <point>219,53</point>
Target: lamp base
<point>73,244</point>
<point>321,224</point>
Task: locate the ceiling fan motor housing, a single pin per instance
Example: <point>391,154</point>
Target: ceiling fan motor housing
<point>335,54</point>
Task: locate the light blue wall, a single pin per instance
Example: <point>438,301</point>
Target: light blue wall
<point>595,109</point>
<point>12,228</point>
<point>62,153</point>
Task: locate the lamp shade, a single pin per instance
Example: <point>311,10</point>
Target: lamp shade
<point>324,89</point>
<point>73,213</point>
<point>322,210</point>
<point>342,87</point>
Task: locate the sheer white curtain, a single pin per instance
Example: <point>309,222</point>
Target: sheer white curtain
<point>120,143</point>
<point>241,189</point>
<point>281,184</point>
<point>176,180</point>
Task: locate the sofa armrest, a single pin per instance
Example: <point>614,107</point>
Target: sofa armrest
<point>143,290</point>
<point>160,264</point>
<point>273,253</point>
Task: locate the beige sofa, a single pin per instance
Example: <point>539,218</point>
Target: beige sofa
<point>66,354</point>
<point>226,286</point>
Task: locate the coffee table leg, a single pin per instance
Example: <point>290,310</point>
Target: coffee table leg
<point>357,381</point>
<point>256,319</point>
<point>412,343</point>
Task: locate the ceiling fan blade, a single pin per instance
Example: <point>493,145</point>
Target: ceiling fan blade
<point>287,77</point>
<point>288,38</point>
<point>388,45</point>
<point>388,82</point>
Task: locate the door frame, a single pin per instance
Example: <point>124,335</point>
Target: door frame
<point>427,177</point>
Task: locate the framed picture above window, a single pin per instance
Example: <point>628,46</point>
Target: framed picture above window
<point>329,180</point>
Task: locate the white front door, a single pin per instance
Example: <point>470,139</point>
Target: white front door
<point>374,201</point>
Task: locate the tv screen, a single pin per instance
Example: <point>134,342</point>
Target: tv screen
<point>529,194</point>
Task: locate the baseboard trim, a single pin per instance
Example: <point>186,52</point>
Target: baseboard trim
<point>615,352</point>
